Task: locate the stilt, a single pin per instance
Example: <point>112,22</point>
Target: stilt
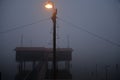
<point>0,76</point>
<point>67,65</point>
<point>117,72</point>
<point>24,65</point>
<point>21,66</point>
<point>33,64</point>
<point>56,65</point>
<point>96,72</point>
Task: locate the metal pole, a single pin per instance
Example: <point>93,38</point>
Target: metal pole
<point>54,42</point>
<point>96,72</point>
<point>106,70</point>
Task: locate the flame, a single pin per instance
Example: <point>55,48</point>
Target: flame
<point>49,6</point>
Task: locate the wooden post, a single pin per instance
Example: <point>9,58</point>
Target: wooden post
<point>96,72</point>
<point>33,64</point>
<point>24,65</point>
<point>67,65</point>
<point>117,72</point>
<point>0,76</point>
<point>21,66</point>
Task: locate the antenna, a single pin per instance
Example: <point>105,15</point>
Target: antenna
<point>68,41</point>
<point>57,35</point>
<point>31,42</point>
<point>21,41</point>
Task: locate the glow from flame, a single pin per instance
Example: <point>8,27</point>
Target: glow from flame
<point>49,6</point>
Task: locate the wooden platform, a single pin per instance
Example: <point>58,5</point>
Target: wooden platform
<point>41,53</point>
<point>43,56</point>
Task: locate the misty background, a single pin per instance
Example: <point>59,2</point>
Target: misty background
<point>101,17</point>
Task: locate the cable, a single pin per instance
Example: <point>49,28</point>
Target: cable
<point>91,33</point>
<point>23,26</point>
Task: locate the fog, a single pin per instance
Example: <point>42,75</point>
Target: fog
<point>101,17</point>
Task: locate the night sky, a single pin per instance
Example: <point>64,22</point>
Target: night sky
<point>99,17</point>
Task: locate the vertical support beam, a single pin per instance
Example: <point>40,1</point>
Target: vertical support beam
<point>67,65</point>
<point>33,66</point>
<point>24,65</point>
<point>56,65</point>
<point>106,71</point>
<point>96,72</point>
<point>117,71</point>
<point>47,65</point>
<point>0,76</point>
<point>21,66</point>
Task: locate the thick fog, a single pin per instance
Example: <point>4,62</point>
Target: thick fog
<point>101,17</point>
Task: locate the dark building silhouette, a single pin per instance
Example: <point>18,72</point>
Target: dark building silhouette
<point>40,58</point>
